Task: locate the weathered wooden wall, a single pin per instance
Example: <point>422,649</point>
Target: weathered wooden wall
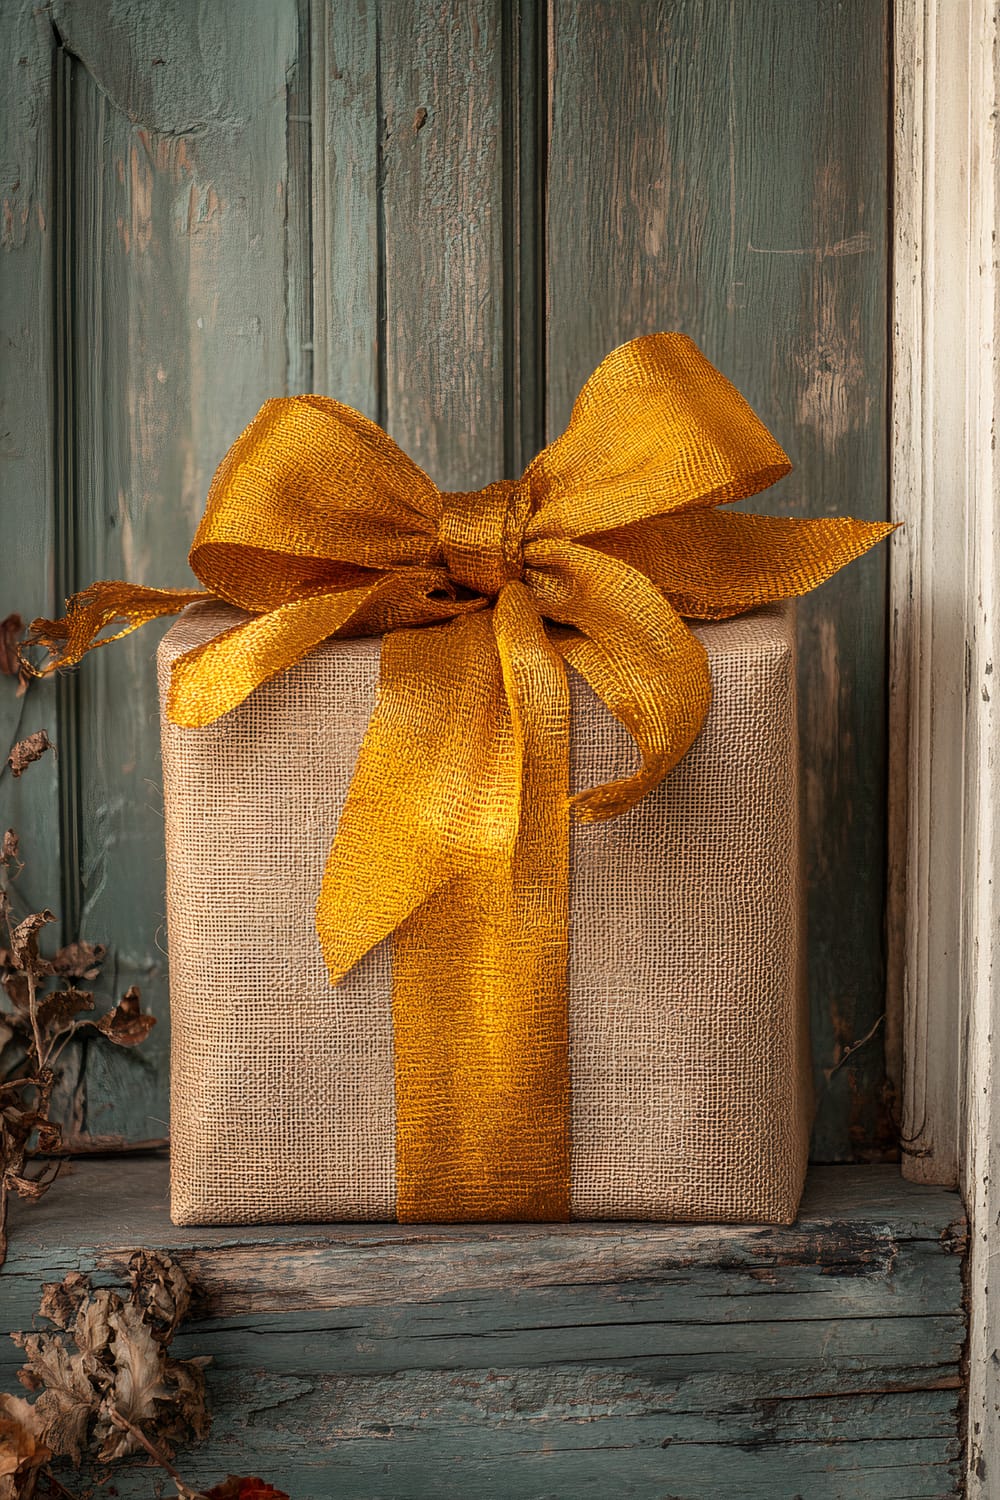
<point>444,213</point>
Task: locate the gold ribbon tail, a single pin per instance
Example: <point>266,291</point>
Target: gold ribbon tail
<point>88,613</point>
<point>455,838</point>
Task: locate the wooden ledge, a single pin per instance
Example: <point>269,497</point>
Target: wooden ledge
<point>529,1361</point>
<point>100,1210</point>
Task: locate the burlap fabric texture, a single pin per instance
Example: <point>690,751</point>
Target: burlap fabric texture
<point>689,1056</point>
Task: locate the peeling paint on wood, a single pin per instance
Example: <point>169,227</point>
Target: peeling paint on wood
<point>345,194</point>
<point>166,288</point>
<point>443,211</point>
<point>27,476</point>
<point>530,1361</point>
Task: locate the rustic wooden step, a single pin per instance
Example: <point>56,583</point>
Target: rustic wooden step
<point>528,1362</point>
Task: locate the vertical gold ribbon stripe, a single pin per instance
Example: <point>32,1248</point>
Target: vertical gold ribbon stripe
<point>479,970</point>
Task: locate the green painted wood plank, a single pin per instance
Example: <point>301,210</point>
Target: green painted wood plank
<point>563,1405</point>
<point>441,93</point>
<point>347,259</point>
<point>28,396</point>
<point>904,1470</point>
<point>722,170</point>
<point>175,177</point>
<point>527,1361</point>
<point>35,398</point>
<point>855,1214</point>
<point>182,289</point>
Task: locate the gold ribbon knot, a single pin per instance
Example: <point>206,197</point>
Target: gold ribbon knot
<point>482,535</point>
<point>454,838</point>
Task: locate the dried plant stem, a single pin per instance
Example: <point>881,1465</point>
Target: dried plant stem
<point>68,1035</point>
<point>40,1058</point>
<point>42,1018</point>
<point>125,1425</point>
<point>57,1484</point>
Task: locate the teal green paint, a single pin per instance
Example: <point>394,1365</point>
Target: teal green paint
<point>27,422</point>
<point>153,274</point>
<point>232,218</point>
<point>442,191</point>
<point>348,262</point>
<point>33,401</point>
<point>180,222</point>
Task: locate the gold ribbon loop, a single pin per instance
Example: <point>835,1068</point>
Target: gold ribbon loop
<point>454,839</point>
<point>655,429</point>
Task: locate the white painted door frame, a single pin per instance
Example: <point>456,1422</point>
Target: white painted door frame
<point>944,912</point>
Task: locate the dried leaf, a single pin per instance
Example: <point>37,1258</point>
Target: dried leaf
<point>18,1106</point>
<point>68,1398</point>
<point>21,1447</point>
<point>28,750</point>
<point>126,1025</point>
<point>161,1290</point>
<point>49,1140</point>
<point>10,662</point>
<point>250,1488</point>
<point>10,634</point>
<point>92,1328</point>
<point>24,942</point>
<point>39,1021</point>
<point>61,1300</point>
<point>58,1011</point>
<point>138,1381</point>
<point>27,1187</point>
<point>106,1384</point>
<point>16,988</point>
<point>79,960</point>
<point>186,1415</point>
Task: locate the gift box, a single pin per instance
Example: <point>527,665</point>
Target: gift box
<point>480,905</point>
<point>688,1037</point>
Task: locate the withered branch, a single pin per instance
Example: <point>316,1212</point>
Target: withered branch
<point>43,1009</point>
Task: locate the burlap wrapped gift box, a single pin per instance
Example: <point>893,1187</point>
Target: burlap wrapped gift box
<point>689,1057</point>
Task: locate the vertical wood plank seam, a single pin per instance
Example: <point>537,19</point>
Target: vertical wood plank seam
<point>65,563</point>
<point>534,210</point>
<point>895,682</point>
<point>319,192</point>
<point>299,252</point>
<point>524,162</point>
<point>62,271</point>
<point>929,572</point>
<point>381,298</point>
<point>511,229</point>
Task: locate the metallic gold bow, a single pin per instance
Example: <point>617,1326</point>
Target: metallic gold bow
<point>455,834</point>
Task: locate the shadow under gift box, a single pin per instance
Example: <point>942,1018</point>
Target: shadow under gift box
<point>689,1047</point>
